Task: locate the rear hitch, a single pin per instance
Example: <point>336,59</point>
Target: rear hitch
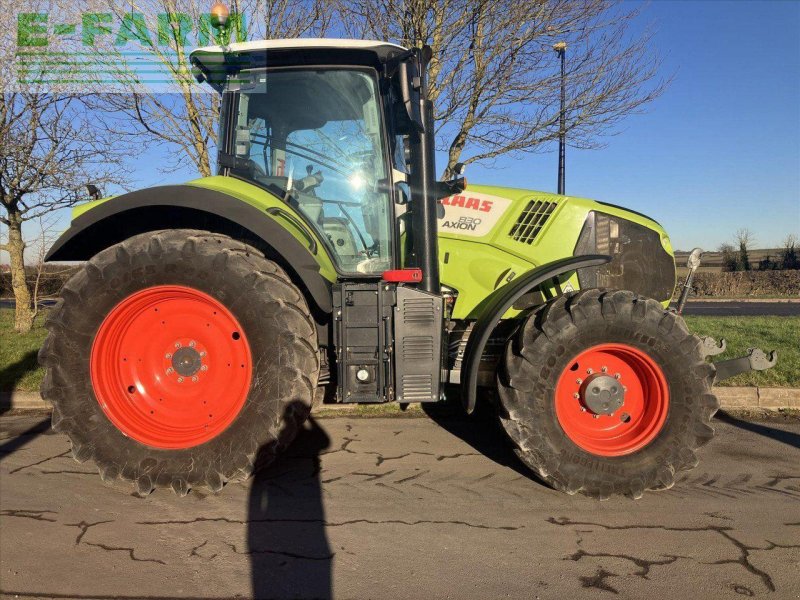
<point>756,360</point>
<point>711,347</point>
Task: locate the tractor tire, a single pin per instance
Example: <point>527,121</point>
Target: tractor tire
<point>606,393</point>
<point>176,357</point>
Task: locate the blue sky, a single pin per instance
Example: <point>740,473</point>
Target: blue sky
<point>720,150</point>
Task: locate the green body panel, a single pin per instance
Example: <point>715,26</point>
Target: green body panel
<point>263,200</point>
<point>475,266</point>
<point>478,265</point>
<point>256,197</point>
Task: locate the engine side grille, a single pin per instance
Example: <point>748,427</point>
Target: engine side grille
<point>531,220</point>
<point>639,262</point>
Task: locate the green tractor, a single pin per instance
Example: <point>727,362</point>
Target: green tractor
<point>325,258</point>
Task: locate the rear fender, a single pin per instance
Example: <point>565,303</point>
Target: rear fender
<point>190,207</point>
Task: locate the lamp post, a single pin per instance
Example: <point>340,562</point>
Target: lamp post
<point>561,48</point>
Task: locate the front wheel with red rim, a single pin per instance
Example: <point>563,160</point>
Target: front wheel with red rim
<point>176,358</point>
<point>605,393</point>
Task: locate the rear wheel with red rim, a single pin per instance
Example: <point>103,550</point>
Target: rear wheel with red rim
<point>171,367</point>
<point>155,360</point>
<point>605,393</point>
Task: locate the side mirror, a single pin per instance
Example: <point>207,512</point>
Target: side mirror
<point>694,259</point>
<point>411,86</point>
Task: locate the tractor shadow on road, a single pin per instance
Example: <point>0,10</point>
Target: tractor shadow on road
<point>481,431</point>
<point>779,435</point>
<point>290,556</point>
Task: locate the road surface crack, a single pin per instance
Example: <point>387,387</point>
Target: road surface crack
<point>280,553</point>
<point>36,515</point>
<point>39,462</point>
<point>195,552</point>
<point>598,581</point>
<point>131,552</point>
<point>644,565</point>
<point>330,523</point>
<point>725,532</point>
<point>84,527</point>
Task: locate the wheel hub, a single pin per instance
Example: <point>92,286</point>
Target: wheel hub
<point>186,361</point>
<point>602,394</point>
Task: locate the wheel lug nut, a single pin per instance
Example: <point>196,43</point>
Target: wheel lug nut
<point>168,355</point>
<point>204,368</point>
<point>576,395</point>
<point>177,344</point>
<point>604,369</point>
<point>202,353</point>
<point>589,371</point>
<point>180,379</point>
<point>617,376</point>
<point>170,371</point>
<point>579,381</point>
<point>194,378</point>
<point>192,344</point>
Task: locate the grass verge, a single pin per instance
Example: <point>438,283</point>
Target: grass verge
<point>18,367</point>
<point>20,371</point>
<point>768,333</point>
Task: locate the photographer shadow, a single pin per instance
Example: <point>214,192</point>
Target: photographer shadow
<point>286,539</point>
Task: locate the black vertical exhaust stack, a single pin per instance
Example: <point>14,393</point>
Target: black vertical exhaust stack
<point>423,172</point>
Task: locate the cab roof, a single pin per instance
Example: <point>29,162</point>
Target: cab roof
<point>293,51</point>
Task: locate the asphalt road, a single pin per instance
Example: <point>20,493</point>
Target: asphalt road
<point>742,309</point>
<point>402,508</point>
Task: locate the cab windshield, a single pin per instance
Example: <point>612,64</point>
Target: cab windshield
<point>313,137</point>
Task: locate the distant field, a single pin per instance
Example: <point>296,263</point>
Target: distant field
<point>20,371</point>
<point>712,261</point>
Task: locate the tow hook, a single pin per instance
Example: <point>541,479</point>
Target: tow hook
<point>711,347</point>
<point>755,360</point>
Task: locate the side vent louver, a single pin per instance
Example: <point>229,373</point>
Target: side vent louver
<point>531,221</point>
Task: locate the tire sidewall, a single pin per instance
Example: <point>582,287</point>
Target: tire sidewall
<point>658,452</point>
<point>114,275</point>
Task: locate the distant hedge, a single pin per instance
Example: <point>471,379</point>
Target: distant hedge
<point>746,283</point>
<point>50,283</point>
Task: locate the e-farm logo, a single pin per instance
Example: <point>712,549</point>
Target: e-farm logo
<point>114,49</point>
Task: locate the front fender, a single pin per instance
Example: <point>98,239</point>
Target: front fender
<point>499,303</point>
<point>274,228</point>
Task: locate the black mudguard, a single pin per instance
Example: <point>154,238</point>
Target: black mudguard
<point>499,303</point>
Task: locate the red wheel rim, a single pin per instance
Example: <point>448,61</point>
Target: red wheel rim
<point>171,367</point>
<point>633,425</point>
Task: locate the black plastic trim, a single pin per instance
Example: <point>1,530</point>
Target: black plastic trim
<point>499,303</point>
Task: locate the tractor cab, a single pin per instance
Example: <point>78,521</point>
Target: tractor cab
<point>322,127</point>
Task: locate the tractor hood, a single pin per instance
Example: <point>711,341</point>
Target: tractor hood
<point>532,228</point>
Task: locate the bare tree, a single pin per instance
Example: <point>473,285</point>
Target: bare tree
<point>181,114</point>
<point>50,151</point>
<point>744,239</point>
<point>495,77</point>
<point>729,261</point>
<point>789,258</point>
